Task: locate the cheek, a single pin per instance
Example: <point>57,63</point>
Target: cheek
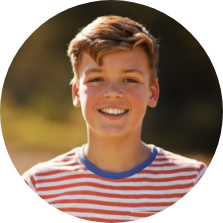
<point>88,99</point>
<point>139,97</point>
<point>139,101</point>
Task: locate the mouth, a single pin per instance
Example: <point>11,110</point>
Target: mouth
<point>113,116</point>
<point>113,111</point>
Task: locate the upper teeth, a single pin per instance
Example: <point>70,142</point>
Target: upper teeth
<point>113,111</point>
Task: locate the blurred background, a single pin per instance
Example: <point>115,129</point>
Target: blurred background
<point>39,121</point>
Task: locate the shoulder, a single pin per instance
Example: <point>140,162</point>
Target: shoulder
<point>58,165</point>
<point>178,164</point>
<point>176,159</point>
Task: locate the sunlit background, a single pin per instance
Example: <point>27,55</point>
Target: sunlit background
<point>39,121</point>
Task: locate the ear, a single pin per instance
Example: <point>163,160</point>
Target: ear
<point>75,95</point>
<point>154,94</point>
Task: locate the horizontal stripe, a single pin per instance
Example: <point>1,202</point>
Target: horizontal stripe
<point>69,186</point>
<point>97,196</point>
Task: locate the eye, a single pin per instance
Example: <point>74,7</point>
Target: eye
<point>131,79</point>
<point>125,79</point>
<point>95,79</point>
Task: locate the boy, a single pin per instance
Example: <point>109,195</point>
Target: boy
<point>115,177</point>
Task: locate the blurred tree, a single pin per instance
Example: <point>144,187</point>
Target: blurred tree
<point>189,112</point>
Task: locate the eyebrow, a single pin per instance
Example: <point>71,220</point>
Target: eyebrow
<point>96,70</point>
<point>93,70</point>
<point>133,71</point>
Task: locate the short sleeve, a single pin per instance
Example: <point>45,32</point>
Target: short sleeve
<point>201,172</point>
<point>28,177</point>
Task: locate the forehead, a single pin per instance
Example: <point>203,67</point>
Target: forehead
<point>117,60</point>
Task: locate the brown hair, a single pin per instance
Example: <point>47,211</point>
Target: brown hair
<point>109,34</point>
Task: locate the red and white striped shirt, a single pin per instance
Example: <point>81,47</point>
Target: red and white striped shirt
<point>73,185</point>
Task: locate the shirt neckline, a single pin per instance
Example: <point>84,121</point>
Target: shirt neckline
<point>116,176</point>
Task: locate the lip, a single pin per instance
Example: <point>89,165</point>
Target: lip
<point>111,116</point>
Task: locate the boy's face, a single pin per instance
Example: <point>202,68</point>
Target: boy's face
<point>115,95</point>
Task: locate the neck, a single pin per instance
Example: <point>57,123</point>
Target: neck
<point>117,159</point>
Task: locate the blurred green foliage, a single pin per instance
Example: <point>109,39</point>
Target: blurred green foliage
<point>23,128</point>
<point>36,103</point>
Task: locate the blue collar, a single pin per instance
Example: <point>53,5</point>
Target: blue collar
<point>115,176</point>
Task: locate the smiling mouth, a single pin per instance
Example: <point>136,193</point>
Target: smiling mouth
<point>113,114</point>
<point>112,111</point>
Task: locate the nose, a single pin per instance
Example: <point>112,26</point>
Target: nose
<point>113,91</point>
